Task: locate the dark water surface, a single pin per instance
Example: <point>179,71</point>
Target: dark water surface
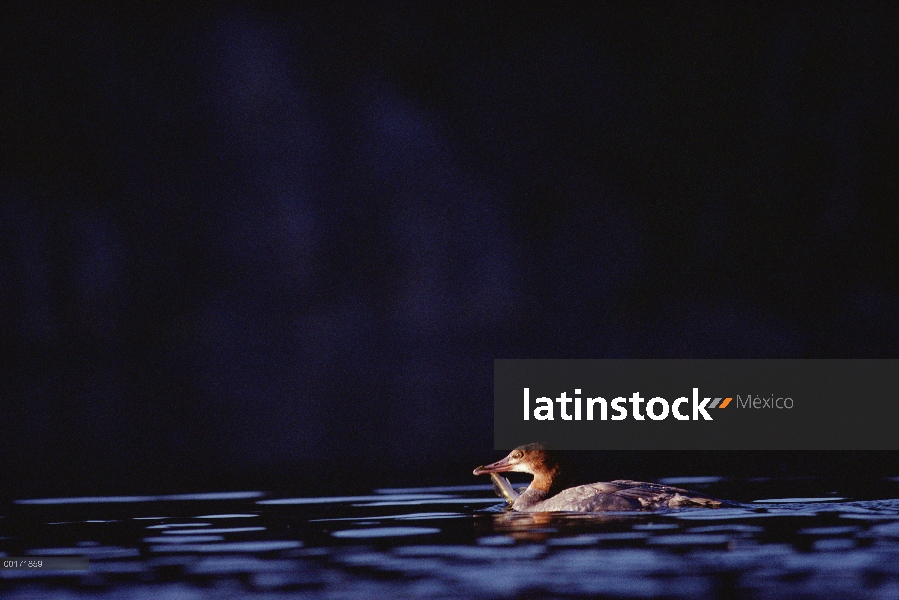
<point>454,542</point>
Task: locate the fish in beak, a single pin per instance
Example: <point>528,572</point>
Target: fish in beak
<point>500,466</point>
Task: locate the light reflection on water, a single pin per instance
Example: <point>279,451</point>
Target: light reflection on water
<point>130,499</point>
<point>452,542</point>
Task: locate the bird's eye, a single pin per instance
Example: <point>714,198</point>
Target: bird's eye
<point>516,454</point>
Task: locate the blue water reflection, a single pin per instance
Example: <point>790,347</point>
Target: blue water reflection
<point>452,542</point>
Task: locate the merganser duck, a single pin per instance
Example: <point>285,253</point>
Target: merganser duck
<point>548,491</point>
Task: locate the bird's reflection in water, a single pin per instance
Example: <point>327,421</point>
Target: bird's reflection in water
<point>539,527</point>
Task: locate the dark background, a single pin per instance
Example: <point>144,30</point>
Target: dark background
<point>281,247</point>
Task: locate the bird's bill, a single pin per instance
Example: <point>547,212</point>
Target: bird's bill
<point>500,466</point>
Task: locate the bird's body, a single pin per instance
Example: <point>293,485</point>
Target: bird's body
<point>612,495</point>
<point>548,492</point>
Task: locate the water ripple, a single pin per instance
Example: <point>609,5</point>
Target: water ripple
<point>440,543</point>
